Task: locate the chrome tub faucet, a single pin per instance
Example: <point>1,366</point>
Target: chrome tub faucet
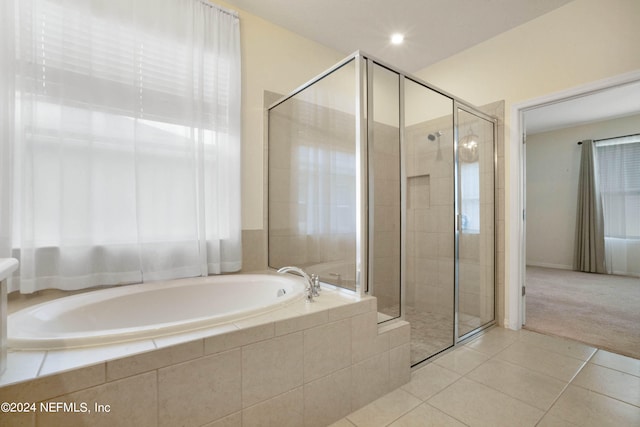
<point>313,282</point>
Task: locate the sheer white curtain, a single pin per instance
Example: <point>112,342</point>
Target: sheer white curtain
<point>619,173</point>
<point>120,149</point>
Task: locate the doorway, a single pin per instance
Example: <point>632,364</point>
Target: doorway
<point>527,113</point>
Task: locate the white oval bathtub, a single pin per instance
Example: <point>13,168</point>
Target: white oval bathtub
<point>149,310</point>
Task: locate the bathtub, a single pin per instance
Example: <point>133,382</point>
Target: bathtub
<point>149,310</point>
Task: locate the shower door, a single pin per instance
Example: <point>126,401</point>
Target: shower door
<point>475,230</point>
<point>449,220</point>
<point>429,217</point>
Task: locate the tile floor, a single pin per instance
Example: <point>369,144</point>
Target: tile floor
<point>513,378</point>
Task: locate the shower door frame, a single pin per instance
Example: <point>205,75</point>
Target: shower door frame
<point>457,106</point>
<point>364,67</point>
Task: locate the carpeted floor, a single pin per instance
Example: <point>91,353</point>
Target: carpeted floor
<point>600,310</point>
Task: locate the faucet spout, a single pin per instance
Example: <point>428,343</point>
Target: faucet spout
<point>308,290</point>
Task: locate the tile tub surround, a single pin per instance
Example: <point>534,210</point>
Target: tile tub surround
<point>305,364</point>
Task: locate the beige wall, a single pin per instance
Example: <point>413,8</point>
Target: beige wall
<point>553,166</point>
<point>582,42</point>
<point>276,60</point>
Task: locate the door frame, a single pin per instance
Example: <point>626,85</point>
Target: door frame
<point>515,258</point>
<point>460,106</point>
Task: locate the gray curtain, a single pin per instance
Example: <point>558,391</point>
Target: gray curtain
<point>589,248</point>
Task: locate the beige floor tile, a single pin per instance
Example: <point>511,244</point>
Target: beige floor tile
<point>526,376</point>
<point>462,360</point>
<point>494,341</point>
<point>617,362</point>
<point>429,380</point>
<point>532,387</point>
<point>587,408</point>
<point>553,421</point>
<point>559,345</point>
<point>342,423</point>
<point>426,415</point>
<point>541,360</point>
<point>385,410</point>
<point>233,420</point>
<point>478,405</point>
<point>613,383</point>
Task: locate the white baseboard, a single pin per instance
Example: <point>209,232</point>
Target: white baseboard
<point>547,265</point>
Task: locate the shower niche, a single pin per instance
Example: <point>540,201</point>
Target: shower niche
<point>384,185</point>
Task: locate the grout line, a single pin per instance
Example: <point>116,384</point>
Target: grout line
<point>46,353</point>
<point>404,413</point>
<point>567,386</point>
<point>448,415</point>
<point>616,369</point>
<point>607,396</point>
<point>558,337</point>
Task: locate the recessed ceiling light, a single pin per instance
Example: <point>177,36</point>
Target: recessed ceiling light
<point>397,38</point>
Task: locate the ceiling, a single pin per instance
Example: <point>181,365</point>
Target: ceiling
<point>607,104</point>
<point>433,29</point>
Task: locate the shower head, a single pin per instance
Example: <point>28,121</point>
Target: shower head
<point>432,136</point>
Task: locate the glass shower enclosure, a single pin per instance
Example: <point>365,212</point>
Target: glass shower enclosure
<point>384,185</point>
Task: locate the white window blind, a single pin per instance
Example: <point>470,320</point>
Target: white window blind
<point>618,165</point>
<point>619,170</point>
<point>126,149</point>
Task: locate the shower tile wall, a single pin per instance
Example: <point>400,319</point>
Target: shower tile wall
<point>313,144</point>
<point>429,240</point>
<point>386,205</point>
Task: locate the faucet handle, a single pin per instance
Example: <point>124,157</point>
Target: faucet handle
<point>315,280</point>
<point>309,288</point>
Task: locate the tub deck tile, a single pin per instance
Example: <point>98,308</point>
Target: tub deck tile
<point>62,360</point>
<point>238,338</point>
<point>170,340</point>
<point>299,322</point>
<point>50,386</point>
<point>22,365</point>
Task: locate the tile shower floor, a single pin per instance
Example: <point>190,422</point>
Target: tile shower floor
<point>513,378</point>
<point>433,332</point>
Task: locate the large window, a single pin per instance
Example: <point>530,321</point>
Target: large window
<point>122,140</point>
<point>619,166</point>
<point>618,161</point>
